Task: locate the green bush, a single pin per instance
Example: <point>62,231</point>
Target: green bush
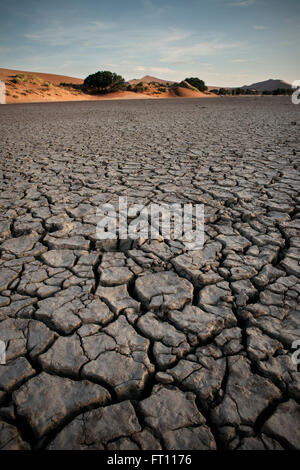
<point>104,82</point>
<point>243,91</point>
<point>35,80</point>
<point>282,91</point>
<point>71,85</point>
<point>197,83</point>
<point>140,89</point>
<point>223,91</point>
<point>19,78</point>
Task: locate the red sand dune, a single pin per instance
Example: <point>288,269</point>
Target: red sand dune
<point>34,87</point>
<point>8,74</point>
<point>181,92</point>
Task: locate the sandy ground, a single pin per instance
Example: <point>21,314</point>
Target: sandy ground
<point>143,344</point>
<point>7,74</point>
<point>35,87</point>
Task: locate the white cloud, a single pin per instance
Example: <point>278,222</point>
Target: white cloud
<point>32,35</point>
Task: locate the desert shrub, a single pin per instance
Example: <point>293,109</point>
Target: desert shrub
<point>238,91</point>
<point>162,89</point>
<point>223,91</point>
<point>117,86</point>
<point>75,86</point>
<point>140,89</point>
<point>282,91</point>
<point>249,91</point>
<point>19,78</point>
<point>104,82</point>
<point>48,84</point>
<point>243,91</point>
<point>197,83</point>
<point>35,80</point>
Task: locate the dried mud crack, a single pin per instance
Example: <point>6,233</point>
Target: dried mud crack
<point>121,344</point>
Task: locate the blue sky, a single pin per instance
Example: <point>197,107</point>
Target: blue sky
<point>224,42</point>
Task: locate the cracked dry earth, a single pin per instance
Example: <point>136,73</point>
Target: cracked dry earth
<point>139,344</point>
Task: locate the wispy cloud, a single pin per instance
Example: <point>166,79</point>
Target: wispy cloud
<point>147,69</point>
<point>170,45</point>
<point>59,34</point>
<point>242,3</point>
<point>154,10</point>
<point>259,27</point>
<point>187,53</point>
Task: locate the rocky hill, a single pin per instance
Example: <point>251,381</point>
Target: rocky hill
<point>268,85</point>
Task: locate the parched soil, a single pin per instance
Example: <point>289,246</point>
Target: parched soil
<point>143,344</point>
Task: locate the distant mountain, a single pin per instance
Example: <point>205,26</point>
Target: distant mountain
<point>268,85</point>
<point>148,79</point>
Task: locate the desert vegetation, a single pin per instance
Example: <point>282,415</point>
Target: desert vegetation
<point>248,91</point>
<point>279,91</point>
<point>24,86</point>
<point>196,83</point>
<point>104,82</point>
